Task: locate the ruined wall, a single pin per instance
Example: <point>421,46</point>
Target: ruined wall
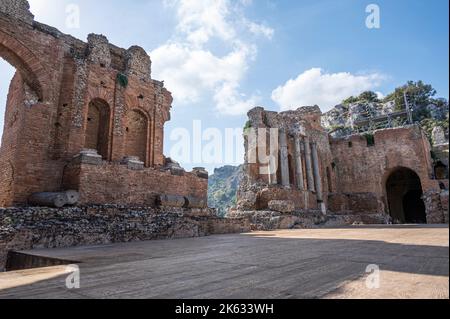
<point>362,170</point>
<point>354,172</point>
<point>116,183</point>
<point>29,228</point>
<point>12,127</point>
<point>59,79</point>
<point>301,126</point>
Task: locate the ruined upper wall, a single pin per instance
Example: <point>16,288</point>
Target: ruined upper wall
<point>293,122</point>
<point>18,9</point>
<point>133,61</point>
<point>61,77</point>
<point>363,167</point>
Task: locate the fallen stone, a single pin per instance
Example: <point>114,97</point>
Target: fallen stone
<point>282,206</point>
<point>170,201</point>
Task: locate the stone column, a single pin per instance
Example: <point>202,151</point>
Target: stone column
<point>299,163</point>
<point>317,177</point>
<point>273,178</point>
<point>284,158</point>
<point>309,169</point>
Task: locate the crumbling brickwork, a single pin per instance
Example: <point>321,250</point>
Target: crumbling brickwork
<point>68,96</point>
<point>377,177</point>
<point>302,172</point>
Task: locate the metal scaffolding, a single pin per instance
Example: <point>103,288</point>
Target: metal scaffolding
<point>368,121</point>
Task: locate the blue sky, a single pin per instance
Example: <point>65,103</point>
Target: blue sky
<point>221,57</point>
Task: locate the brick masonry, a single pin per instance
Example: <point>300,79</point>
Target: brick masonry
<point>69,95</point>
<point>355,172</point>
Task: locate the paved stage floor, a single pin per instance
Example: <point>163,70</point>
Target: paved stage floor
<point>319,263</point>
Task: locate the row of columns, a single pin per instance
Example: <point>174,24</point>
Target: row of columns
<point>303,149</point>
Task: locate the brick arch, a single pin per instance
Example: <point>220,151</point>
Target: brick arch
<point>137,135</point>
<point>399,183</point>
<point>25,62</point>
<point>392,170</point>
<point>98,127</point>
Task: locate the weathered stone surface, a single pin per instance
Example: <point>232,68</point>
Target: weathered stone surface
<point>355,202</point>
<point>270,220</point>
<point>171,201</point>
<point>174,167</point>
<point>436,204</point>
<point>88,156</point>
<point>201,172</point>
<point>438,136</point>
<point>138,63</point>
<point>28,228</point>
<point>56,199</point>
<point>18,9</point>
<point>99,52</point>
<point>282,206</point>
<point>133,163</point>
<point>444,205</point>
<point>195,202</point>
<point>247,200</point>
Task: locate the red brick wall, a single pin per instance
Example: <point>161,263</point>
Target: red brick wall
<point>136,135</point>
<point>97,127</point>
<point>364,170</point>
<point>117,184</point>
<point>12,126</point>
<point>51,112</point>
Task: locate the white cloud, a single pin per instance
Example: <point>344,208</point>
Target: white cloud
<point>260,29</point>
<point>315,87</point>
<point>188,64</point>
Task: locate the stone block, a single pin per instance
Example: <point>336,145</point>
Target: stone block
<point>170,201</point>
<point>282,206</point>
<point>133,163</point>
<point>87,156</point>
<point>201,172</point>
<point>247,201</point>
<point>195,202</point>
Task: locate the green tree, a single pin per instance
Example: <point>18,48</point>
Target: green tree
<point>350,100</point>
<point>419,93</point>
<point>369,96</point>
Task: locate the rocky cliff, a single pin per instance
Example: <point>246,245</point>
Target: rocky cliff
<point>432,116</point>
<point>223,187</point>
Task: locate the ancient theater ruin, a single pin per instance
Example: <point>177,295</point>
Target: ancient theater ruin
<point>82,163</point>
<point>372,177</point>
<point>81,159</point>
<point>86,117</point>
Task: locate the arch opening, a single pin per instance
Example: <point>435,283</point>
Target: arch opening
<point>7,72</point>
<point>29,75</point>
<point>404,192</point>
<point>97,127</point>
<point>136,135</point>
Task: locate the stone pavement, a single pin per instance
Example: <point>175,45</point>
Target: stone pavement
<point>319,263</point>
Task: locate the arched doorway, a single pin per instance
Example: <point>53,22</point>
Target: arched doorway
<point>97,127</point>
<point>404,193</point>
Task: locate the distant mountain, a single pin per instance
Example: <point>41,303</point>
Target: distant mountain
<point>223,186</point>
